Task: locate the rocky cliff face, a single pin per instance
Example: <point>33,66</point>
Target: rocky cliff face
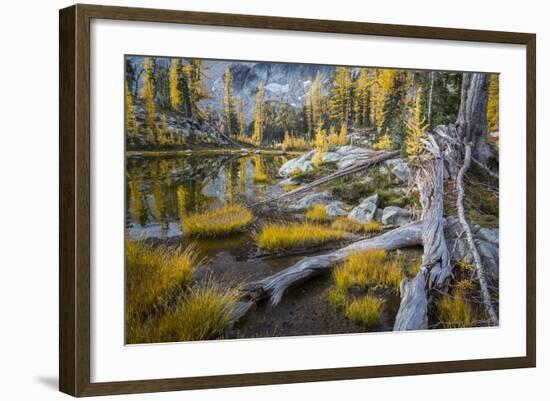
<point>283,82</point>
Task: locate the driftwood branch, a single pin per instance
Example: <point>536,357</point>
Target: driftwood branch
<point>273,287</point>
<point>340,173</point>
<point>480,271</point>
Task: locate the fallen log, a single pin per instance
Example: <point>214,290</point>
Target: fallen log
<point>340,173</point>
<point>273,287</point>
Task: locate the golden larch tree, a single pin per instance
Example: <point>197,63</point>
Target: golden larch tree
<point>381,90</point>
<point>259,116</point>
<point>340,103</point>
<point>416,127</point>
<point>493,104</point>
<point>176,97</point>
<point>131,125</point>
<point>228,103</point>
<point>148,94</point>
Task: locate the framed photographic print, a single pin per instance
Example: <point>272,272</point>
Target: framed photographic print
<point>250,200</point>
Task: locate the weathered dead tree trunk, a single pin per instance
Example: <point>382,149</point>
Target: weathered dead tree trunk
<point>436,266</point>
<point>445,155</point>
<point>480,270</point>
<point>340,173</point>
<point>274,286</point>
<point>472,115</point>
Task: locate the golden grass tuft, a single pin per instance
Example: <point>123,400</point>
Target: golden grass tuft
<point>343,223</point>
<point>277,237</point>
<point>153,272</point>
<point>374,267</point>
<point>455,311</point>
<point>372,227</point>
<point>366,311</point>
<point>218,222</point>
<point>317,213</point>
<point>202,314</point>
<point>153,276</point>
<point>337,298</point>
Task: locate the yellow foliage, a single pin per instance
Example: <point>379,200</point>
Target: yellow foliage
<point>332,137</point>
<point>148,94</point>
<point>176,97</point>
<point>372,227</point>
<point>384,143</point>
<point>218,222</point>
<point>291,142</point>
<point>277,237</point>
<point>317,213</point>
<point>131,125</point>
<point>259,116</point>
<point>337,298</point>
<point>455,311</point>
<point>416,125</point>
<point>366,311</point>
<point>202,314</point>
<point>374,267</point>
<point>259,174</point>
<point>182,201</point>
<point>380,92</point>
<point>152,275</point>
<point>343,135</point>
<point>493,104</point>
<point>321,145</point>
<point>343,223</point>
<point>290,187</point>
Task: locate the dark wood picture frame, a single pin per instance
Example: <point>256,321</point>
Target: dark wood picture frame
<point>74,199</point>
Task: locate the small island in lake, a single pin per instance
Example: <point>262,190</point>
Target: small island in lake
<point>282,199</point>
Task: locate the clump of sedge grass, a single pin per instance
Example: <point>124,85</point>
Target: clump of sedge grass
<point>372,267</point>
<point>154,275</point>
<point>343,223</point>
<point>153,272</point>
<point>337,298</point>
<point>317,213</point>
<point>202,314</point>
<point>277,237</point>
<point>372,227</point>
<point>366,311</point>
<point>218,222</point>
<point>456,310</point>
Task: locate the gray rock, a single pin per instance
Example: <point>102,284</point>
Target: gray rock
<point>378,214</point>
<point>335,209</point>
<point>366,210</point>
<point>311,199</point>
<point>331,157</point>
<point>372,199</point>
<point>302,164</point>
<point>399,168</point>
<point>395,216</point>
<point>486,242</point>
